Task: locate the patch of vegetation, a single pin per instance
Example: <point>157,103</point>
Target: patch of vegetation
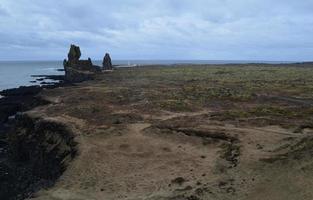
<point>202,93</point>
<point>175,105</point>
<point>233,91</point>
<point>264,111</point>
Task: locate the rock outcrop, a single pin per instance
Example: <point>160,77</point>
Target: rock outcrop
<point>18,100</point>
<point>77,70</point>
<point>107,63</point>
<point>74,53</point>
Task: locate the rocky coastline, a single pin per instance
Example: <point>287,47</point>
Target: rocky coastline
<point>18,179</point>
<point>21,176</point>
<point>34,151</point>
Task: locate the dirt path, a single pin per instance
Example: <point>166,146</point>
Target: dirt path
<point>134,165</point>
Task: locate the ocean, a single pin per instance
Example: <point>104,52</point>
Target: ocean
<point>18,73</point>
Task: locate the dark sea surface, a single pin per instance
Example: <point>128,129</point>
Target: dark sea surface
<point>17,73</point>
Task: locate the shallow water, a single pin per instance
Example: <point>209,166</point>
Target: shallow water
<point>16,73</point>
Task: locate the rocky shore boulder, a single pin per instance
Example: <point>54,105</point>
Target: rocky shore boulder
<point>107,63</point>
<point>77,70</point>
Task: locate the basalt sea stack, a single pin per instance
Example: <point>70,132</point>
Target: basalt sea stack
<point>77,70</point>
<point>107,63</point>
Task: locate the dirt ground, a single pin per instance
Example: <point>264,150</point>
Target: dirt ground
<point>187,133</point>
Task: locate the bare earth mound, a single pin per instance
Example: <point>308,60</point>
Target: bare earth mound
<point>186,132</point>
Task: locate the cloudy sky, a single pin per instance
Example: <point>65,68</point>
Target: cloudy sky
<point>158,29</point>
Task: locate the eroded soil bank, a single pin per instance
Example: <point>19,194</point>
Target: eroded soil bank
<point>37,154</point>
<point>30,148</point>
<point>180,132</point>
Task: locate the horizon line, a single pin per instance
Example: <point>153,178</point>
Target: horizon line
<point>135,59</point>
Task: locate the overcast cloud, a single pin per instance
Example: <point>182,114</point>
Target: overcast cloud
<point>157,29</point>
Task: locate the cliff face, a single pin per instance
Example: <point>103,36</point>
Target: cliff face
<point>37,153</point>
<point>33,151</point>
<point>47,146</point>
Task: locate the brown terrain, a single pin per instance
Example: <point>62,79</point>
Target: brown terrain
<point>175,133</point>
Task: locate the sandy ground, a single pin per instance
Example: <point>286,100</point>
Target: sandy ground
<point>134,162</point>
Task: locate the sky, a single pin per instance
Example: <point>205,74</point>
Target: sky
<point>271,30</point>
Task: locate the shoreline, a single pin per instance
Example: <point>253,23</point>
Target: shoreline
<point>15,177</point>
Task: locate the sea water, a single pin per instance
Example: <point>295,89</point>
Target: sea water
<point>17,73</point>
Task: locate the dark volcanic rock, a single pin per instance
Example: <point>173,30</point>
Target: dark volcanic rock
<point>59,78</point>
<point>39,152</point>
<point>47,146</point>
<point>73,75</point>
<point>19,99</point>
<point>107,63</point>
<point>21,91</point>
<point>74,53</point>
<point>16,182</point>
<point>46,83</point>
<point>77,70</point>
<point>19,178</point>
